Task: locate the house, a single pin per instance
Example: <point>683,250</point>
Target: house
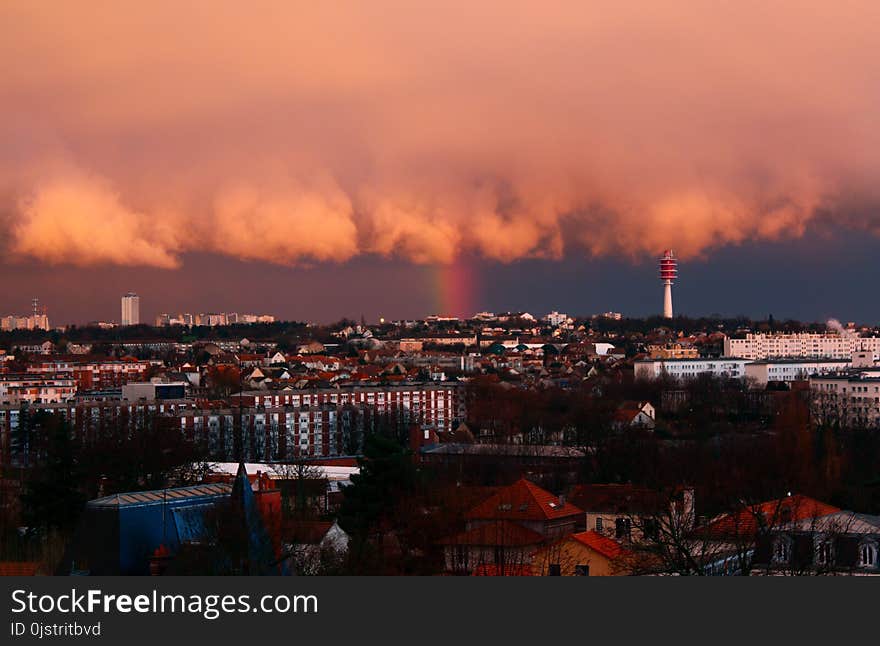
<point>502,544</point>
<point>623,511</point>
<point>746,539</point>
<point>582,554</point>
<point>632,414</point>
<point>842,542</point>
<point>312,544</point>
<point>507,527</point>
<point>751,520</point>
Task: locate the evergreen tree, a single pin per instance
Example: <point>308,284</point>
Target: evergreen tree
<point>52,497</point>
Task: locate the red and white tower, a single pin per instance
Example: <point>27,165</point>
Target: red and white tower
<point>668,274</point>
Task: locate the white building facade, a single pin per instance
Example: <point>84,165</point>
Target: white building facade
<point>131,309</point>
<point>788,370</point>
<point>763,346</point>
<point>729,367</point>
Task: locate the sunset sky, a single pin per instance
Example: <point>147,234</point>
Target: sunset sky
<point>400,158</point>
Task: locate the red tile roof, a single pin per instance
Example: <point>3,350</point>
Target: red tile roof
<point>491,569</point>
<point>749,520</point>
<point>523,500</point>
<point>18,568</point>
<point>501,532</point>
<point>607,547</point>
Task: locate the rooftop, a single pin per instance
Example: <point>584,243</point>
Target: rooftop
<point>160,496</point>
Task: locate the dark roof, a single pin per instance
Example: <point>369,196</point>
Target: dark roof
<point>616,498</point>
<point>308,532</point>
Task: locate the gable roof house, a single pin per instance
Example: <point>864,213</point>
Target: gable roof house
<point>582,554</point>
<point>506,528</point>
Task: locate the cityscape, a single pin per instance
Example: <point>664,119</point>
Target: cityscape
<point>524,444</point>
<point>428,290</point>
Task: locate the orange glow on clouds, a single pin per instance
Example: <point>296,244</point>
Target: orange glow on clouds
<point>290,133</point>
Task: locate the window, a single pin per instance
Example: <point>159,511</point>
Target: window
<point>622,527</point>
<point>782,549</point>
<point>582,570</point>
<point>824,552</point>
<point>554,570</point>
<point>651,529</point>
<point>867,555</point>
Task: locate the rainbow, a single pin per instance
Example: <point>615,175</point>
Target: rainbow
<point>455,286</point>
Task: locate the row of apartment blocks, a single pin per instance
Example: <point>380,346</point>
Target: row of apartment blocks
<point>27,322</point>
<point>756,346</point>
<point>760,372</point>
<point>259,425</point>
<point>94,374</point>
<point>212,319</point>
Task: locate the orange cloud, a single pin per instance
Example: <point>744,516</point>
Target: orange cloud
<point>81,221</point>
<point>583,127</point>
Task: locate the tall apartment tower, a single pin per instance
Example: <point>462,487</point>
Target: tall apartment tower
<point>131,309</point>
<point>668,274</point>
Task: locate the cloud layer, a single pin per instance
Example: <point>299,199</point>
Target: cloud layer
<point>293,134</point>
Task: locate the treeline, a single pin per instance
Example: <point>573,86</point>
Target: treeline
<point>692,325</point>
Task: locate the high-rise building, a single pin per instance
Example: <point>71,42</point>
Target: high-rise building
<point>131,309</point>
<point>668,274</point>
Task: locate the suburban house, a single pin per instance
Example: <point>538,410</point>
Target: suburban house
<point>582,554</point>
<point>506,528</point>
<point>762,535</point>
<point>633,414</point>
<point>842,542</point>
<point>625,512</point>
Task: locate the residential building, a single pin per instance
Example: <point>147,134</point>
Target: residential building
<point>672,350</point>
<point>505,529</point>
<point>839,543</point>
<point>851,399</point>
<point>787,370</point>
<point>582,554</point>
<point>729,367</point>
<point>131,309</point>
<point>763,346</point>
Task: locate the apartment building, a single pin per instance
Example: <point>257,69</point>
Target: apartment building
<point>851,399</point>
<point>730,367</point>
<point>763,346</point>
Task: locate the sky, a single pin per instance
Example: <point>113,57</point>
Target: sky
<point>398,159</point>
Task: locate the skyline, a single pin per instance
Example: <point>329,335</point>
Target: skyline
<point>441,160</point>
<point>771,282</point>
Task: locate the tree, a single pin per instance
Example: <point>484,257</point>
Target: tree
<point>53,495</point>
<point>300,480</point>
<point>371,506</point>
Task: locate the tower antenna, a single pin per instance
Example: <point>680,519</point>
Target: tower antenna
<point>668,274</point>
